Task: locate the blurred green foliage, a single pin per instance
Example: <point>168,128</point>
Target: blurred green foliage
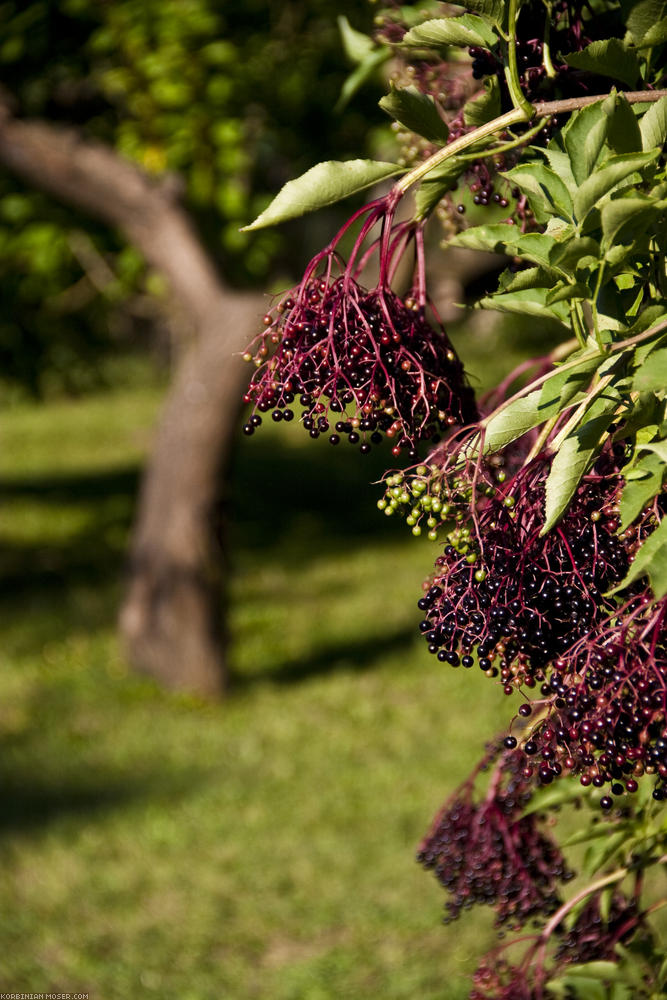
<point>233,98</point>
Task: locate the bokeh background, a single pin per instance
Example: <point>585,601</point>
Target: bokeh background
<point>155,842</point>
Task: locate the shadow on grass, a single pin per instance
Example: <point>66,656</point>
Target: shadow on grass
<point>31,801</point>
<point>356,655</point>
<point>289,504</point>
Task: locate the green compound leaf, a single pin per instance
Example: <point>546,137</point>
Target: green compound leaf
<point>573,459</point>
<point>584,136</point>
<point>652,375</point>
<point>623,219</point>
<point>322,185</point>
<point>653,126</point>
<point>651,561</point>
<point>546,192</point>
<point>528,302</point>
<point>624,135</point>
<point>605,179</point>
<point>522,415</point>
<point>467,30</point>
<point>607,58</point>
<point>643,17</point>
<point>492,11</point>
<point>541,404</point>
<point>417,113</point>
<point>656,35</point>
<point>649,471</point>
<point>492,238</point>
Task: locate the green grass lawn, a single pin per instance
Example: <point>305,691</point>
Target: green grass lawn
<point>261,848</point>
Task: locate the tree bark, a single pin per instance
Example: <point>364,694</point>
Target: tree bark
<point>172,618</point>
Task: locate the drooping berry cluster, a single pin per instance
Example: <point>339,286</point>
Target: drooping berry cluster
<point>594,936</point>
<point>537,610</point>
<point>603,712</point>
<point>362,364</point>
<point>485,852</point>
<point>517,598</point>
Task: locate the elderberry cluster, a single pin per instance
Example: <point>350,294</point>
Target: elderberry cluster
<point>605,706</point>
<point>518,599</point>
<point>594,937</point>
<point>482,852</point>
<point>361,364</point>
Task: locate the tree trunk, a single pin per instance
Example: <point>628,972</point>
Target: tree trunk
<point>172,616</point>
<point>172,619</point>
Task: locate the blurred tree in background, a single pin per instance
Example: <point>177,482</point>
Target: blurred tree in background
<point>136,141</point>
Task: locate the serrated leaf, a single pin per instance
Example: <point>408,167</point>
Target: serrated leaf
<point>486,106</point>
<point>607,58</point>
<point>436,184</point>
<point>651,561</point>
<point>584,137</point>
<point>573,459</point>
<point>638,492</point>
<point>623,135</point>
<point>564,384</point>
<point>466,30</point>
<point>546,192</point>
<point>569,254</point>
<point>560,163</point>
<point>536,247</point>
<point>656,35</point>
<point>652,376</point>
<point>624,218</point>
<point>356,45</point>
<point>492,11</point>
<point>643,16</point>
<point>528,302</point>
<point>565,293</point>
<point>653,125</point>
<point>493,238</point>
<point>322,185</point>
<point>519,417</point>
<point>416,112</point>
<point>531,277</point>
<point>605,179</point>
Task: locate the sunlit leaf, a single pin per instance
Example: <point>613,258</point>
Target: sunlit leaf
<point>467,30</point>
<point>651,561</point>
<point>607,58</point>
<point>603,180</point>
<point>322,185</point>
<point>653,125</point>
